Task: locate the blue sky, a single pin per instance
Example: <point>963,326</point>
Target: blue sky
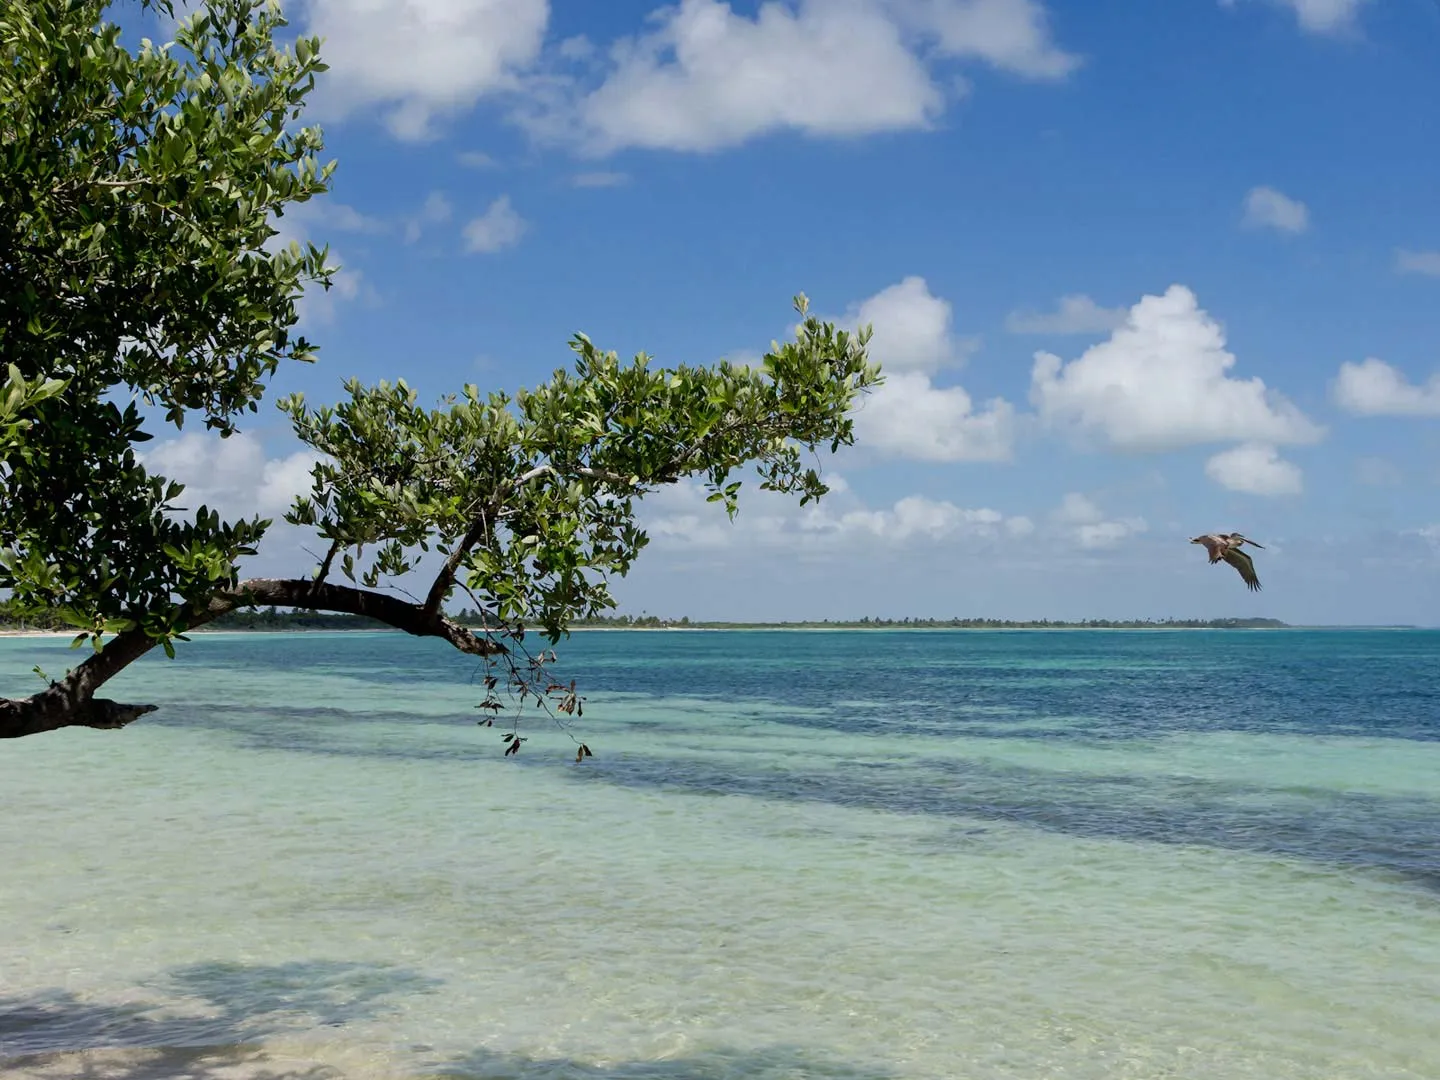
<point>1136,272</point>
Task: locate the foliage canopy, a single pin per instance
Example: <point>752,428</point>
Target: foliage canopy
<point>138,265</point>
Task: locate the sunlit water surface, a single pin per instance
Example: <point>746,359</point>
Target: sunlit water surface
<point>858,856</point>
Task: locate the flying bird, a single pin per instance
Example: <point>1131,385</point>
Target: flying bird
<point>1227,547</point>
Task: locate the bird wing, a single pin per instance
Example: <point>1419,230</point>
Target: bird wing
<point>1243,563</point>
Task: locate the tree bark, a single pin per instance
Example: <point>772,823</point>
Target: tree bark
<point>71,701</point>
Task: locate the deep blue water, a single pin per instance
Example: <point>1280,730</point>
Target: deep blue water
<point>898,690</point>
<point>1013,684</point>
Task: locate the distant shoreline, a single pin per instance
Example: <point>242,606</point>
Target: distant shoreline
<point>759,628</point>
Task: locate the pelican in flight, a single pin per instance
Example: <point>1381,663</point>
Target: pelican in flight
<point>1227,547</point>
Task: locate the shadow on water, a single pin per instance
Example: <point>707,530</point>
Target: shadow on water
<point>766,1063</point>
<point>212,1022</point>
<point>1386,834</point>
<point>168,1063</point>
<point>256,1063</point>
<point>204,1019</point>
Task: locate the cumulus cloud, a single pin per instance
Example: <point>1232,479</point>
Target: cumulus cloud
<point>706,77</point>
<point>913,328</point>
<point>1266,208</point>
<point>699,76</point>
<point>1012,35</point>
<point>1255,469</point>
<point>1319,16</point>
<point>417,61</point>
<point>1161,382</point>
<point>1077,314</point>
<point>1081,521</point>
<point>1374,388</point>
<point>1418,262</point>
<point>499,227</point>
<point>909,416</point>
<point>1108,534</point>
<point>1077,509</point>
<point>679,517</point>
<point>232,475</point>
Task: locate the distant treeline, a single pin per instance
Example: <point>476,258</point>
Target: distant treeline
<point>648,622</point>
<point>275,619</point>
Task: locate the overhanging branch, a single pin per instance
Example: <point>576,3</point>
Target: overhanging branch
<point>71,701</point>
<point>446,577</point>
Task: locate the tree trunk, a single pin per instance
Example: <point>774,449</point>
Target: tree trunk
<point>71,702</point>
<point>52,709</point>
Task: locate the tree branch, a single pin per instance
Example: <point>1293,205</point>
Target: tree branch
<point>446,577</point>
<point>585,471</point>
<point>329,558</point>
<point>71,701</point>
<point>443,580</point>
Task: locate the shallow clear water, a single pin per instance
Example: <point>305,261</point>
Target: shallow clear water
<point>864,855</point>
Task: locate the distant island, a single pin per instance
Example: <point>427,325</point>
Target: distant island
<point>273,619</point>
<point>653,622</point>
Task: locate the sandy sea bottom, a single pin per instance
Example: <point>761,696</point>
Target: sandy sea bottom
<point>313,864</point>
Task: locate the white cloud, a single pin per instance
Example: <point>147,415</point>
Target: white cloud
<point>912,327</point>
<point>843,526</point>
<point>1159,383</point>
<point>1108,534</point>
<point>232,475</point>
<point>1079,520</point>
<point>499,227</point>
<point>700,77</point>
<point>1418,262</point>
<point>678,516</point>
<point>707,77</point>
<point>828,69</point>
<point>1077,314</point>
<point>1255,469</point>
<point>1266,208</point>
<point>416,61</point>
<point>1319,16</point>
<point>1013,35</point>
<point>909,416</point>
<point>917,516</point>
<point>434,211</point>
<point>1374,388</point>
<point>1077,509</point>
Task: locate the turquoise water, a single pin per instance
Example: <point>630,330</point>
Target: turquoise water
<point>853,856</point>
